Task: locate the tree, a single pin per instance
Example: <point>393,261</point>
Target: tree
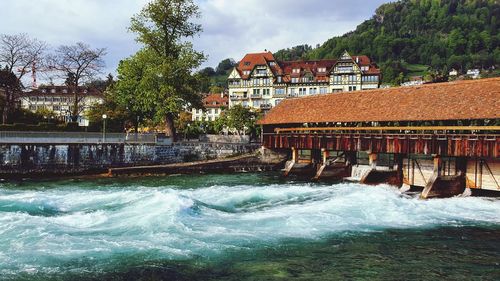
<point>224,66</point>
<point>9,84</point>
<point>18,54</point>
<point>240,119</point>
<point>78,64</point>
<point>166,63</point>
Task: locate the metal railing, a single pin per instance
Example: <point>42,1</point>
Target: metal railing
<point>74,137</point>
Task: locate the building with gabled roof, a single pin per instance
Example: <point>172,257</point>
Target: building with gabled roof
<point>213,105</point>
<point>259,81</point>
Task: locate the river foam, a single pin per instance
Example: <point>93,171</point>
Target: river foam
<point>44,230</point>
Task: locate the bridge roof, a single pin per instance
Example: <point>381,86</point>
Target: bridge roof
<point>460,100</point>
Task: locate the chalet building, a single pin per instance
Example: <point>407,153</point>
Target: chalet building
<point>60,100</point>
<point>259,81</point>
<point>213,105</point>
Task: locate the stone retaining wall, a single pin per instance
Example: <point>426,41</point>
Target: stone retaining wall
<point>29,159</point>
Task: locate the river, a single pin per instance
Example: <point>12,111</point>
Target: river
<point>241,227</point>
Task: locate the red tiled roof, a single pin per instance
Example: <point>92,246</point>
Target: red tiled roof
<point>215,101</point>
<point>285,68</point>
<point>249,61</point>
<point>461,100</point>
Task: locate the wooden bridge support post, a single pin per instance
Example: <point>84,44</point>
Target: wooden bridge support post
<point>372,158</point>
<point>324,155</point>
<point>295,155</point>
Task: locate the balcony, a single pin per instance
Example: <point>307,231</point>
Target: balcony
<point>266,106</point>
<point>281,95</point>
<point>256,96</point>
<point>238,97</point>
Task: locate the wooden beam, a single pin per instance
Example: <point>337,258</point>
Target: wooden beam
<point>395,128</point>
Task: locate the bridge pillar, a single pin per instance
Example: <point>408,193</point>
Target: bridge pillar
<point>392,177</point>
<point>301,168</point>
<point>441,186</point>
<point>332,170</point>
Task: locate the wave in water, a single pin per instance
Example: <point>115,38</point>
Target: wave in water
<point>42,231</point>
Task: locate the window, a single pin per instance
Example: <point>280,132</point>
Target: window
<point>313,91</point>
<point>352,78</point>
<point>302,91</point>
<point>255,82</point>
<point>56,108</point>
<point>256,103</point>
<point>344,68</point>
<point>278,79</point>
<point>266,92</point>
<point>276,102</point>
<point>272,63</point>
<point>261,71</point>
<point>352,88</point>
<point>247,63</point>
<point>295,80</point>
<point>292,92</point>
<point>256,92</point>
<point>322,69</point>
<point>337,79</point>
<point>53,91</point>
<point>296,70</point>
<point>246,72</point>
<point>32,98</point>
<point>33,107</point>
<point>323,90</point>
<point>279,91</point>
<point>267,81</point>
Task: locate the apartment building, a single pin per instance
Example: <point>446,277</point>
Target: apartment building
<point>259,81</point>
<point>60,100</point>
<point>213,105</point>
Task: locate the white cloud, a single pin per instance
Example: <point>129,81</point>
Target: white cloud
<point>231,27</point>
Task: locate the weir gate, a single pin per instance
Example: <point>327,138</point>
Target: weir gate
<point>444,138</point>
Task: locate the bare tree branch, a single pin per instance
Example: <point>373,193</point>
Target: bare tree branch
<point>77,64</point>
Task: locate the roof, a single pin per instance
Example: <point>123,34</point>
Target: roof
<point>285,68</point>
<point>62,90</point>
<point>460,100</point>
<point>249,61</point>
<point>215,100</point>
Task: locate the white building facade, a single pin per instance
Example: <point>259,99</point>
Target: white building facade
<point>261,82</point>
<point>60,100</point>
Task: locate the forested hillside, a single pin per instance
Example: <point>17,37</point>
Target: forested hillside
<point>420,36</point>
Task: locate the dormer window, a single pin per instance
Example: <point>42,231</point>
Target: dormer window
<point>53,91</point>
<point>321,69</point>
<point>247,63</point>
<point>272,63</point>
<point>296,70</point>
<point>246,72</point>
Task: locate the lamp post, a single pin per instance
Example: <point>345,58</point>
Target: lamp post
<point>104,117</point>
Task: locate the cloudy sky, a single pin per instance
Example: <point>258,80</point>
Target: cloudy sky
<point>231,27</point>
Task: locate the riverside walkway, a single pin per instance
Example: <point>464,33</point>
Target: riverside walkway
<point>443,137</point>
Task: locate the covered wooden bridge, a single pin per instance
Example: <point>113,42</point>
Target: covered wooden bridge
<point>443,137</point>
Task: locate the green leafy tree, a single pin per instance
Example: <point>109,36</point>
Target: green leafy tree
<point>240,120</point>
<point>158,81</point>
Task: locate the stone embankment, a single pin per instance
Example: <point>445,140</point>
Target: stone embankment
<point>19,161</point>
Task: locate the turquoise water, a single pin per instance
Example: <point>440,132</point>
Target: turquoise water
<point>241,227</point>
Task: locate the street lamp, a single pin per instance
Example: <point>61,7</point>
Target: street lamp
<point>104,117</point>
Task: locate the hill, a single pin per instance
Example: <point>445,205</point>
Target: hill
<point>420,36</point>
